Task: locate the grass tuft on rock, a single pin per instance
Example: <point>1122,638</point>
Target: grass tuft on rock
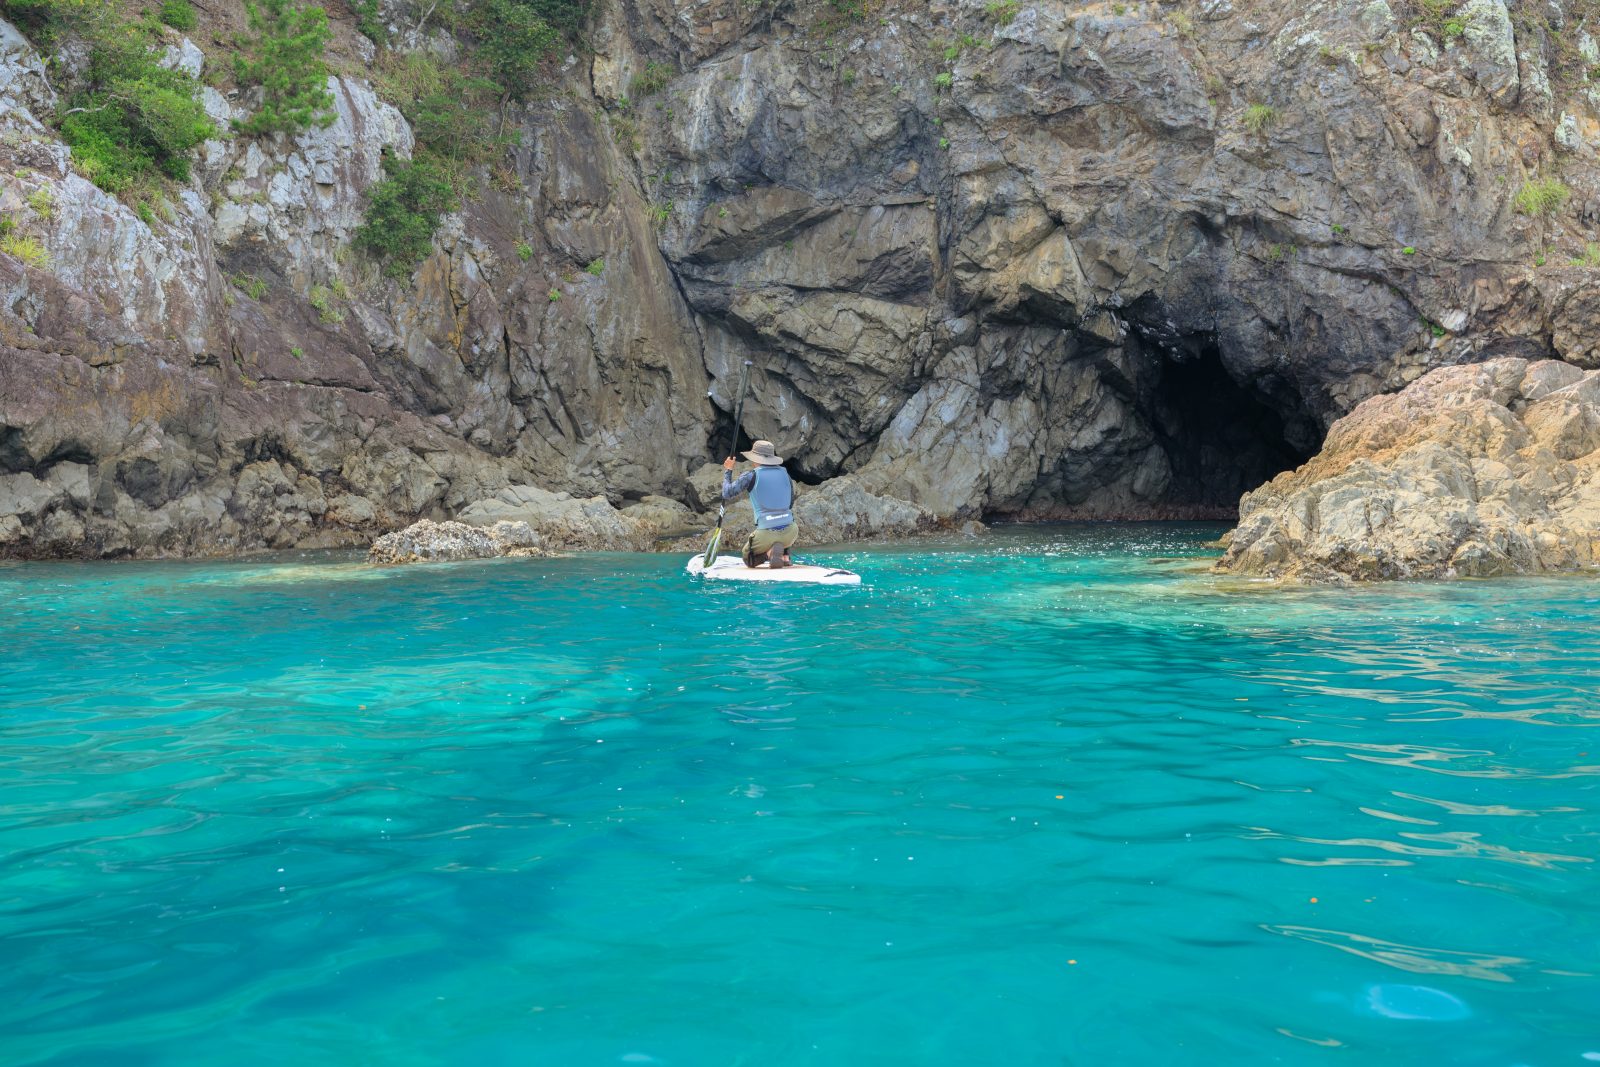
<point>1258,117</point>
<point>1543,196</point>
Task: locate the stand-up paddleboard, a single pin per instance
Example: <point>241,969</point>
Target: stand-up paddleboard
<point>733,569</point>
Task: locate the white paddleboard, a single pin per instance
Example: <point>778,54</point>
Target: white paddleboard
<point>733,568</point>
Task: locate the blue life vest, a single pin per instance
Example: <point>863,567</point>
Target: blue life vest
<point>772,497</point>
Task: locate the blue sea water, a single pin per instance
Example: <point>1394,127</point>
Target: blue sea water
<point>1053,796</point>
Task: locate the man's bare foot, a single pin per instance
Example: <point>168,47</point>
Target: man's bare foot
<point>777,559</point>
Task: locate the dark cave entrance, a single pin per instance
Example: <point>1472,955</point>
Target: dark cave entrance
<point>719,440</point>
<point>1223,439</point>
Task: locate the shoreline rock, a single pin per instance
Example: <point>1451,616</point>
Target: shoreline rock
<point>1482,470</point>
<point>530,521</point>
<point>443,542</point>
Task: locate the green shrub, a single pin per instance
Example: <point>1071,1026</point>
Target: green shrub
<point>286,60</point>
<point>178,14</point>
<point>404,213</point>
<point>943,80</point>
<point>1545,196</point>
<point>451,111</point>
<point>564,16</point>
<point>513,41</point>
<point>1408,251</point>
<point>651,80</point>
<point>555,294</point>
<point>8,225</point>
<point>1257,117</point>
<point>369,21</point>
<point>524,251</point>
<point>45,20</point>
<point>131,119</point>
<point>598,267</point>
<point>456,120</point>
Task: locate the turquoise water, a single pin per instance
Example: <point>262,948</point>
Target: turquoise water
<point>1052,797</point>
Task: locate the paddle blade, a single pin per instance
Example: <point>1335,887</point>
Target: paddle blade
<point>711,548</point>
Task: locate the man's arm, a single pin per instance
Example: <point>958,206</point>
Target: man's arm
<point>731,488</point>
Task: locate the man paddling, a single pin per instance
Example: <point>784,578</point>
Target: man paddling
<point>772,499</point>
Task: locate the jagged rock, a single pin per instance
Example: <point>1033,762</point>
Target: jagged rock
<point>561,520</point>
<point>1491,46</point>
<point>185,56</point>
<point>841,510</point>
<point>26,98</point>
<point>661,517</point>
<point>434,542</point>
<point>1472,471</point>
<point>439,542</point>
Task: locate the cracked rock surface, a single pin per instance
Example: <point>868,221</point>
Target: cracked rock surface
<point>1473,471</point>
<point>1089,260</point>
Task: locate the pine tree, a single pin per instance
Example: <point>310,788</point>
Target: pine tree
<point>286,61</point>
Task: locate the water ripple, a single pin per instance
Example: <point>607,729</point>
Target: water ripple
<point>1058,796</point>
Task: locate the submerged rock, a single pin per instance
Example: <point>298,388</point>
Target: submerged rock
<point>1475,471</point>
<point>440,542</point>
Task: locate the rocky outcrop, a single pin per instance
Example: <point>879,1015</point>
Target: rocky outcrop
<point>562,521</point>
<point>1042,260</point>
<point>444,542</point>
<point>1472,471</point>
<point>836,511</point>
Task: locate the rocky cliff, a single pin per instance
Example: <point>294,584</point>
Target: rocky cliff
<point>1476,471</point>
<point>1017,257</point>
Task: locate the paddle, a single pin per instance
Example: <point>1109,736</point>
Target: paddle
<point>733,442</point>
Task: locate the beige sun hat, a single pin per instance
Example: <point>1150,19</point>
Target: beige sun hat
<point>763,453</point>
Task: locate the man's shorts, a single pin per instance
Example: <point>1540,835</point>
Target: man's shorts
<point>761,542</point>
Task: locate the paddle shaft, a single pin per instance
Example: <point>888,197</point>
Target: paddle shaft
<point>738,410</point>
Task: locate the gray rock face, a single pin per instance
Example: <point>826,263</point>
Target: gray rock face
<point>25,90</point>
<point>1472,471</point>
<point>1053,271</point>
<point>1490,45</point>
<point>1096,261</point>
